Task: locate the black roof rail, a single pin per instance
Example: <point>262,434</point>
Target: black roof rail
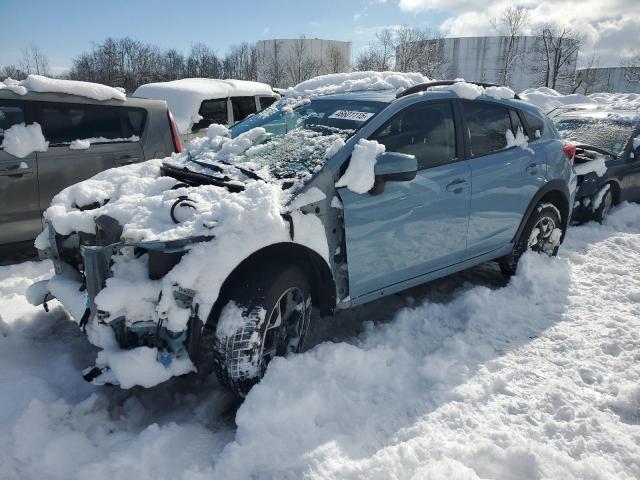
<point>423,87</point>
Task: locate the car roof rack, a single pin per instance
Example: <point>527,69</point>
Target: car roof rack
<point>423,87</point>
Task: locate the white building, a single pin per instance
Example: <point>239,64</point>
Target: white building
<point>482,59</point>
<point>284,62</point>
<point>608,79</point>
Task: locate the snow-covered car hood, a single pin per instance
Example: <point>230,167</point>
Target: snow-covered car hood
<point>193,193</point>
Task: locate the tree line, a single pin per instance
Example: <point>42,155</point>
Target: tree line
<point>129,63</point>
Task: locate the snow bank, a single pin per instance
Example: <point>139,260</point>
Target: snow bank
<point>185,96</point>
<point>466,378</point>
<point>355,81</point>
<point>360,174</point>
<point>548,99</point>
<point>38,83</point>
<point>22,140</point>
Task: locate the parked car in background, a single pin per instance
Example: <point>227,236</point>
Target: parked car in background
<point>329,201</point>
<point>607,156</point>
<point>57,135</point>
<point>196,103</point>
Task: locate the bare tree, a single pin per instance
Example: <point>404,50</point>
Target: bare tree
<point>560,47</point>
<point>11,71</point>
<point>34,61</point>
<point>631,68</point>
<point>241,62</point>
<point>511,24</point>
<point>203,62</point>
<point>587,77</point>
<point>418,50</point>
<point>272,65</point>
<point>335,61</point>
<point>300,64</point>
<point>405,49</point>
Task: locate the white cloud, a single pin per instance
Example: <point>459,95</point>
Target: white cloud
<point>611,27</point>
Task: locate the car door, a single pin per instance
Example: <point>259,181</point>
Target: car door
<point>504,178</point>
<point>629,170</point>
<point>112,134</point>
<point>415,227</point>
<point>20,218</point>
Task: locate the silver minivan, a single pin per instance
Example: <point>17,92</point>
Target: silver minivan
<point>85,136</point>
<point>196,103</point>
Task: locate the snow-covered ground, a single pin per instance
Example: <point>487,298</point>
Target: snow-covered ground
<point>468,377</point>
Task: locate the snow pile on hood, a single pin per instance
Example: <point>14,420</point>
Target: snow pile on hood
<point>38,83</point>
<point>22,140</point>
<point>239,220</point>
<point>185,96</point>
<point>597,165</point>
<point>548,99</point>
<point>355,81</point>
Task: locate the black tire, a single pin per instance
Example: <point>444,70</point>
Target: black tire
<point>605,206</point>
<point>545,244</point>
<point>245,344</point>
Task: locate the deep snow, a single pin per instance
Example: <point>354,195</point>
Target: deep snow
<point>464,378</point>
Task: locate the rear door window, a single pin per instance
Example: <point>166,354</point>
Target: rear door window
<point>243,107</point>
<point>266,102</point>
<point>487,126</point>
<point>426,130</point>
<point>11,113</point>
<point>63,123</point>
<point>212,111</point>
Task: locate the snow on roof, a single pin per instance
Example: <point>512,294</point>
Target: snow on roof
<point>548,99</point>
<point>355,81</point>
<point>38,83</point>
<point>185,96</point>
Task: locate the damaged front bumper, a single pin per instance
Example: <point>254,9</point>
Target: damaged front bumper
<point>81,272</point>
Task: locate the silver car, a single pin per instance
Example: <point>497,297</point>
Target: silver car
<point>84,136</point>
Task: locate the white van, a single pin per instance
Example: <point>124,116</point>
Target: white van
<point>196,103</point>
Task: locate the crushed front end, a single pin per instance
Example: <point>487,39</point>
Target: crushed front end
<point>84,265</point>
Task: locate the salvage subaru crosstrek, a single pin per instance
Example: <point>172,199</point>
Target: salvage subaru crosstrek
<point>213,258</point>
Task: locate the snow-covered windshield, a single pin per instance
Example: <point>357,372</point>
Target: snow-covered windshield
<point>298,134</point>
<point>611,135</point>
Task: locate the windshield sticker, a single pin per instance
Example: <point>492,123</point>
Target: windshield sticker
<point>351,115</point>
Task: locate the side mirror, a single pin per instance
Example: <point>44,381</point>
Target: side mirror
<point>395,167</point>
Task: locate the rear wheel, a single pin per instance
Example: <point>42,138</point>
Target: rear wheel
<point>265,315</point>
<point>542,234</point>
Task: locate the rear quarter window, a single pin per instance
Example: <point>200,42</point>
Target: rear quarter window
<point>266,102</point>
<point>535,126</point>
<point>63,123</point>
<point>243,107</point>
<point>11,113</point>
<point>212,111</point>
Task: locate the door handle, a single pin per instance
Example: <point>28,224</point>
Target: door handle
<point>533,168</point>
<point>456,186</point>
<point>16,170</point>
<point>126,160</point>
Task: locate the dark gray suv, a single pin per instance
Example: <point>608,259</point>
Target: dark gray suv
<point>85,136</point>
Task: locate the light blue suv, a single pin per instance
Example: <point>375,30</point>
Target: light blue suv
<point>449,183</point>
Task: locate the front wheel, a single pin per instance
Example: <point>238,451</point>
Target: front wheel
<point>542,233</point>
<point>265,315</point>
<point>606,202</point>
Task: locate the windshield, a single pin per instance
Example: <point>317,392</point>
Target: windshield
<point>611,135</point>
<point>297,135</point>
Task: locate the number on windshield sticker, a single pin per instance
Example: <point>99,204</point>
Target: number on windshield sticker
<point>351,115</point>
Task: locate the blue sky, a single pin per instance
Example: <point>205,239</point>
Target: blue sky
<point>64,28</point>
